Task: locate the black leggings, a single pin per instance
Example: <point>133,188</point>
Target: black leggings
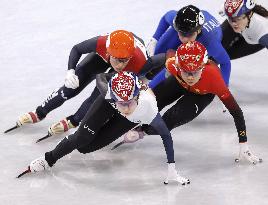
<point>77,117</point>
<point>101,125</point>
<point>86,71</point>
<point>188,106</point>
<point>235,44</point>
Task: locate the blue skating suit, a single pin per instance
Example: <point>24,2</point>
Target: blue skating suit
<point>210,37</point>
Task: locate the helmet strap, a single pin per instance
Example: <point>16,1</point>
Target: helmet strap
<point>138,97</point>
<point>249,15</point>
<point>199,31</point>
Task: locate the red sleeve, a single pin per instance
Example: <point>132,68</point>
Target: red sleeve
<point>101,47</point>
<point>217,84</point>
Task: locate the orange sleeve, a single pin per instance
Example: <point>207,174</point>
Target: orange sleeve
<point>170,65</point>
<point>170,53</point>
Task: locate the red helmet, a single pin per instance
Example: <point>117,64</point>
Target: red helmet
<point>191,56</point>
<point>120,44</point>
<point>124,86</point>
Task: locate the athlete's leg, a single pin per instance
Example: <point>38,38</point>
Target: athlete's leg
<point>110,132</point>
<point>167,92</point>
<point>187,108</point>
<point>76,118</point>
<point>99,113</point>
<point>86,71</point>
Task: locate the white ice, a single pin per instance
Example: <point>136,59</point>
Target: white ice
<point>35,40</point>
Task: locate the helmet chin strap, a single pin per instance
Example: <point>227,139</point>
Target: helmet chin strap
<point>199,31</point>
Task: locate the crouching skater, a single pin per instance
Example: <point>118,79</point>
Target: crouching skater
<point>193,83</point>
<point>127,104</point>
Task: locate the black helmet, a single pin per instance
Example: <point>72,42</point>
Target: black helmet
<point>188,19</point>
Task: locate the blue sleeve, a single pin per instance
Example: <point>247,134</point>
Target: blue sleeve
<point>165,22</point>
<point>216,50</point>
<point>160,126</point>
<point>264,41</point>
<point>158,78</point>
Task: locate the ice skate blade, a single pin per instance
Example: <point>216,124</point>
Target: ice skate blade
<point>25,172</point>
<point>43,138</point>
<point>12,128</point>
<point>117,145</point>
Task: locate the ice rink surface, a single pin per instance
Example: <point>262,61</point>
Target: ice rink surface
<point>36,38</point>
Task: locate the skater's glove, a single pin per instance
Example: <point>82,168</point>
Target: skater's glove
<point>133,136</point>
<point>151,46</point>
<point>247,154</point>
<point>173,175</point>
<point>71,80</point>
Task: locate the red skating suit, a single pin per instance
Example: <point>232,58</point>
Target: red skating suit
<point>211,81</point>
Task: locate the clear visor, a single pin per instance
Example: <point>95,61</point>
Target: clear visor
<point>192,73</point>
<point>187,35</point>
<point>120,60</point>
<point>237,19</point>
<point>126,103</point>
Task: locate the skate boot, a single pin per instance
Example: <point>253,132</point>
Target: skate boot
<point>37,165</point>
<point>131,136</point>
<point>60,127</point>
<point>27,118</point>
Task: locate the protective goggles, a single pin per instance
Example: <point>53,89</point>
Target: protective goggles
<point>192,73</point>
<point>187,35</point>
<point>121,60</point>
<point>126,103</point>
<point>236,19</point>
